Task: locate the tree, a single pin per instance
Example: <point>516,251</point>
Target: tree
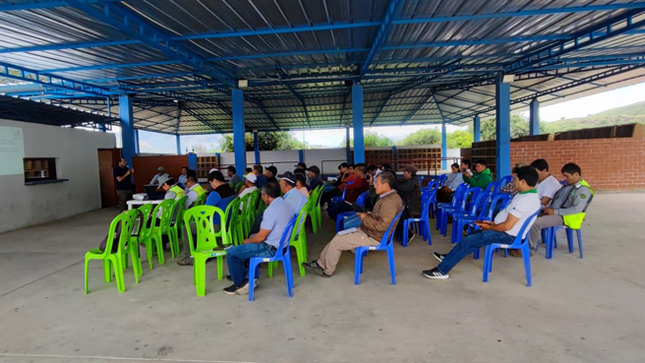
<point>422,137</point>
<point>460,139</point>
<point>371,139</point>
<point>519,127</point>
<point>280,140</point>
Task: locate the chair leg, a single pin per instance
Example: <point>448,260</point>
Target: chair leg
<point>199,269</point>
<point>117,263</point>
<point>487,256</point>
<point>526,256</point>
<point>426,225</point>
<point>220,268</point>
<point>476,254</point>
<point>252,268</point>
<point>288,273</point>
<point>87,265</point>
<point>390,260</point>
<point>570,239</point>
<point>300,257</point>
<point>357,266</point>
<point>579,233</point>
<point>550,238</point>
<point>107,270</point>
<point>135,265</point>
<point>406,226</point>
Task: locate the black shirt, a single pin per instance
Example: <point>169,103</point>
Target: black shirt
<point>126,183</point>
<point>315,182</point>
<point>225,191</point>
<point>272,179</point>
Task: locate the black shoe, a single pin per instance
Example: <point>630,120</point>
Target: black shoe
<point>313,266</point>
<point>229,278</point>
<point>435,274</point>
<point>439,256</point>
<point>231,290</point>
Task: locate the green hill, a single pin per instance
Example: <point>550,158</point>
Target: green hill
<point>630,114</point>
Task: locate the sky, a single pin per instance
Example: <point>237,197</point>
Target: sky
<point>151,142</point>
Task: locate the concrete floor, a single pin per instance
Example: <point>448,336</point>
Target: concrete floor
<point>588,310</point>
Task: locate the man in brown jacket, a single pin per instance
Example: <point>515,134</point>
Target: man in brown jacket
<point>369,233</point>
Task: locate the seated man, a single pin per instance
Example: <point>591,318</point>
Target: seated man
<point>291,195</point>
<point>359,185</point>
<point>181,181</point>
<point>410,191</point>
<point>568,205</point>
<point>504,229</point>
<point>161,171</point>
<point>481,177</point>
<point>262,244</point>
<point>232,174</point>
<point>548,185</point>
<point>314,177</point>
<point>261,180</point>
<point>249,186</point>
<point>270,173</point>
<point>370,231</point>
<point>193,190</point>
<point>173,191</point>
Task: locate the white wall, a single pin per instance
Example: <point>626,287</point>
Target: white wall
<point>76,159</point>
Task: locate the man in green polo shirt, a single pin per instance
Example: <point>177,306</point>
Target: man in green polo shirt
<point>482,176</point>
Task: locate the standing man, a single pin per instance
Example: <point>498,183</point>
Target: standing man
<point>314,177</point>
<point>568,206</point>
<point>370,232</point>
<point>504,229</point>
<point>270,174</point>
<point>232,173</point>
<point>181,181</point>
<point>124,186</point>
<point>155,179</point>
<point>481,177</point>
<point>548,184</point>
<point>262,244</point>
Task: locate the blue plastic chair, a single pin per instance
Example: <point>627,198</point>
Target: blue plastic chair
<point>281,254</point>
<point>520,243</point>
<point>442,179</point>
<point>342,198</point>
<point>431,188</point>
<point>551,240</point>
<point>498,202</point>
<point>460,208</point>
<point>505,180</point>
<point>456,200</point>
<point>493,187</point>
<point>422,223</point>
<point>477,209</point>
<point>340,218</point>
<point>385,245</point>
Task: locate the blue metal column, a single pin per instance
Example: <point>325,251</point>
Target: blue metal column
<point>256,146</point>
<point>136,142</point>
<point>102,127</point>
<point>192,161</point>
<point>444,146</point>
<point>395,156</point>
<point>239,145</point>
<point>502,127</point>
<point>534,117</point>
<point>348,151</point>
<point>476,129</point>
<point>128,136</point>
<point>178,144</point>
<point>357,123</point>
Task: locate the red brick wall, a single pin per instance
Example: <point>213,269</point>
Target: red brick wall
<point>607,164</point>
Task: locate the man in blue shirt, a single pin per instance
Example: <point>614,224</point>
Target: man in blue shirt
<point>262,244</point>
<point>291,195</point>
<point>258,170</point>
<point>181,181</point>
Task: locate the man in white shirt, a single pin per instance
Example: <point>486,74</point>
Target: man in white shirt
<point>548,185</point>
<point>161,171</point>
<point>504,229</point>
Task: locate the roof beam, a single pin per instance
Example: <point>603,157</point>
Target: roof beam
<point>417,107</point>
<point>380,108</point>
<point>302,102</point>
<point>391,12</point>
<point>134,26</point>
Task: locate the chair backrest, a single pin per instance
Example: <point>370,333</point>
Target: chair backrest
<point>144,229</point>
<point>127,224</point>
<point>301,217</point>
<point>459,195</point>
<point>345,189</point>
<point>499,202</point>
<point>478,205</point>
<point>493,187</point>
<point>320,193</point>
<point>524,231</point>
<point>239,186</point>
<point>202,216</point>
<point>178,211</point>
<point>286,236</point>
<point>163,211</point>
<point>426,199</point>
<point>505,180</point>
<point>114,225</point>
<point>361,198</point>
<point>441,180</point>
<point>470,195</point>
<point>232,214</point>
<point>388,236</point>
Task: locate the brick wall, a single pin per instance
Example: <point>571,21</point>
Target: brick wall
<point>607,164</point>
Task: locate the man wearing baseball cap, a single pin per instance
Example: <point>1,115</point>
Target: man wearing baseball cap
<point>301,165</point>
<point>292,196</point>
<point>173,191</point>
<point>160,171</point>
<point>314,177</point>
<point>249,186</point>
<point>270,173</point>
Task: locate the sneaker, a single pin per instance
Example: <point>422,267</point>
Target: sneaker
<point>188,261</point>
<point>231,290</point>
<point>244,290</point>
<point>313,266</point>
<point>439,256</point>
<point>435,274</point>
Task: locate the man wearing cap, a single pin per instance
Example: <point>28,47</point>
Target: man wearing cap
<point>160,171</point>
<point>173,191</point>
<point>232,174</point>
<point>410,191</point>
<point>249,186</point>
<point>314,177</point>
<point>270,173</point>
<point>292,196</point>
<point>193,190</point>
<point>301,166</point>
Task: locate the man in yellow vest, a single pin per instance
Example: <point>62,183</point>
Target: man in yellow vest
<point>568,205</point>
<point>193,190</point>
<point>173,191</point>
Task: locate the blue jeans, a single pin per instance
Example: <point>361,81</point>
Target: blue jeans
<point>237,258</point>
<point>471,243</point>
<point>335,209</point>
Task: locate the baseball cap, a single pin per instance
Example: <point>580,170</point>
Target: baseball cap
<point>163,179</point>
<point>161,168</point>
<point>314,168</point>
<point>216,175</point>
<point>251,177</point>
<point>212,170</point>
<point>301,165</point>
<point>272,169</point>
<point>289,177</point>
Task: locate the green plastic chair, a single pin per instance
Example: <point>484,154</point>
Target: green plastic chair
<point>113,261</point>
<point>140,233</point>
<point>239,186</point>
<point>249,211</point>
<point>298,240</point>
<point>163,213</point>
<point>234,222</point>
<point>206,246</point>
<point>314,209</point>
<point>175,227</point>
<point>200,200</point>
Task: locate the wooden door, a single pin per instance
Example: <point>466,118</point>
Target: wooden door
<point>108,159</point>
